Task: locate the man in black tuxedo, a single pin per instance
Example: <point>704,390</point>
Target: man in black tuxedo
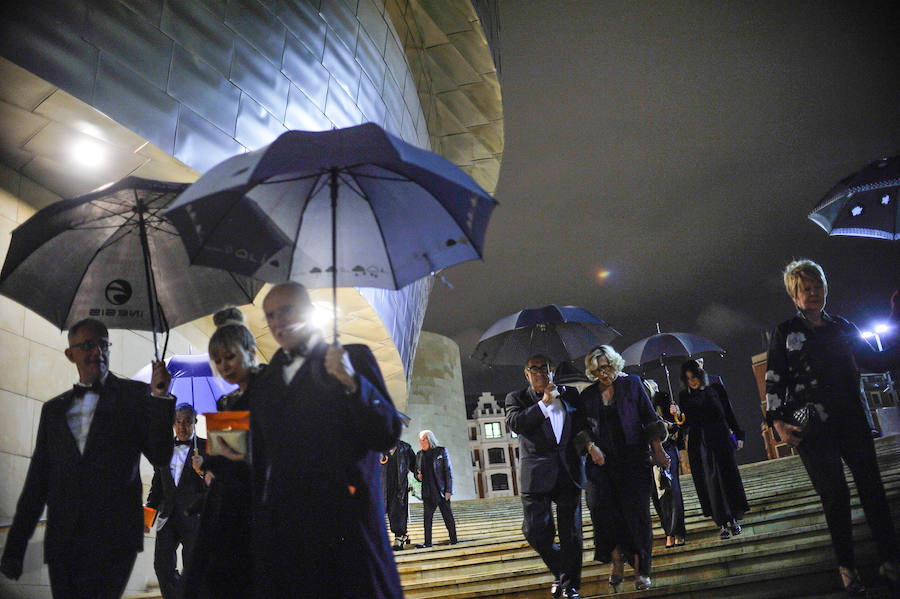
<point>543,416</point>
<point>85,469</point>
<point>178,504</point>
<point>320,420</point>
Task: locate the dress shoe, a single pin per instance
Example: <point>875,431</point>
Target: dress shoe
<point>852,583</point>
<point>642,583</point>
<point>556,588</point>
<point>571,593</point>
<point>423,546</point>
<point>724,533</point>
<point>736,528</point>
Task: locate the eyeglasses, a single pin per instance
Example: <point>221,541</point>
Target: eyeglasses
<point>536,369</point>
<point>90,344</point>
<point>605,369</point>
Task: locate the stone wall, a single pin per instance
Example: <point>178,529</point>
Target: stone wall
<point>437,402</point>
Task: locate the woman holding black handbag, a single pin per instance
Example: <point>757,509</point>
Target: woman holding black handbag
<point>813,403</point>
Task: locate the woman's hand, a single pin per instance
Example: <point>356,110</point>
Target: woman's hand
<point>789,433</point>
<point>228,452</point>
<point>596,454</point>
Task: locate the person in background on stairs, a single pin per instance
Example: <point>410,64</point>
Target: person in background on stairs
<point>812,403</point>
<point>713,437</point>
<point>543,416</point>
<point>434,471</point>
<point>667,499</point>
<point>396,464</point>
<point>617,428</point>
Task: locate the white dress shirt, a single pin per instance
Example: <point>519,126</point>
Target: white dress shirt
<point>179,457</point>
<point>81,414</point>
<point>556,412</point>
<point>292,367</point>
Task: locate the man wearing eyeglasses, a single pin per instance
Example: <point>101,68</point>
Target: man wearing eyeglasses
<point>542,415</point>
<point>85,469</point>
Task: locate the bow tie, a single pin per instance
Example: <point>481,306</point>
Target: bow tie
<point>80,388</point>
<point>180,442</point>
<point>298,352</point>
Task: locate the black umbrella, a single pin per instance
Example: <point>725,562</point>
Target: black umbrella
<point>865,204</point>
<point>386,213</point>
<point>558,332</point>
<point>664,349</point>
<point>111,255</point>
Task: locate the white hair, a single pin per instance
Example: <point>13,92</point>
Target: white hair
<point>432,440</point>
<point>603,351</point>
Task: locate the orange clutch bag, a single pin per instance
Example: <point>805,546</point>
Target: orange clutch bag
<point>228,433</point>
<point>149,516</point>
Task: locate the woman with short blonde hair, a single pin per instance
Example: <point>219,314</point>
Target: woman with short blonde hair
<point>813,404</point>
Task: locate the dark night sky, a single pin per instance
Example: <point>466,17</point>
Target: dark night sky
<point>681,145</point>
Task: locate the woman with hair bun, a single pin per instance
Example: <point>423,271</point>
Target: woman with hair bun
<point>221,565</point>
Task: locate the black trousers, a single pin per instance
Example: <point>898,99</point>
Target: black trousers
<point>89,572</point>
<point>563,560</point>
<point>849,438</point>
<point>447,513</point>
<point>178,530</point>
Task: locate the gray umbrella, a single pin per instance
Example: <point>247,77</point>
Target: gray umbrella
<point>111,255</point>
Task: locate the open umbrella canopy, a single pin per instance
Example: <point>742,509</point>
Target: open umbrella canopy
<point>558,332</point>
<point>111,255</point>
<point>193,381</point>
<point>865,204</point>
<point>668,348</point>
<point>392,213</point>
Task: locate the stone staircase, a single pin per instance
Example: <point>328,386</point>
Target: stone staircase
<point>785,550</point>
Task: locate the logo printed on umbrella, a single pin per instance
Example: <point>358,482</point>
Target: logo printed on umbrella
<point>118,292</point>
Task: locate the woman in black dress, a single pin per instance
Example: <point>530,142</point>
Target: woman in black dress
<point>713,436</point>
<point>667,498</point>
<point>813,403</point>
<point>221,565</point>
<point>617,426</point>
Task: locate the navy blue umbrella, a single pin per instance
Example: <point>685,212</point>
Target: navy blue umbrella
<point>665,349</point>
<point>865,204</point>
<point>558,332</point>
<point>354,207</point>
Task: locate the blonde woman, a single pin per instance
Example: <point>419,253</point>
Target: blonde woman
<point>618,428</point>
<point>812,402</point>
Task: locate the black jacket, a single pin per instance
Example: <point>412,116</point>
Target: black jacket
<point>441,469</point>
<point>186,496</point>
<point>540,456</point>
<point>78,488</point>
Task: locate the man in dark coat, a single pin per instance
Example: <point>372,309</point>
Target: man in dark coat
<point>320,419</point>
<point>434,470</point>
<point>396,466</point>
<point>178,504</point>
<point>85,469</point>
<point>543,416</point>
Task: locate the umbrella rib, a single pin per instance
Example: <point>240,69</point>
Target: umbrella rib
<point>313,190</point>
<point>241,287</point>
<point>387,252</point>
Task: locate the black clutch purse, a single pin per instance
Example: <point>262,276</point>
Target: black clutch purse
<point>807,417</point>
